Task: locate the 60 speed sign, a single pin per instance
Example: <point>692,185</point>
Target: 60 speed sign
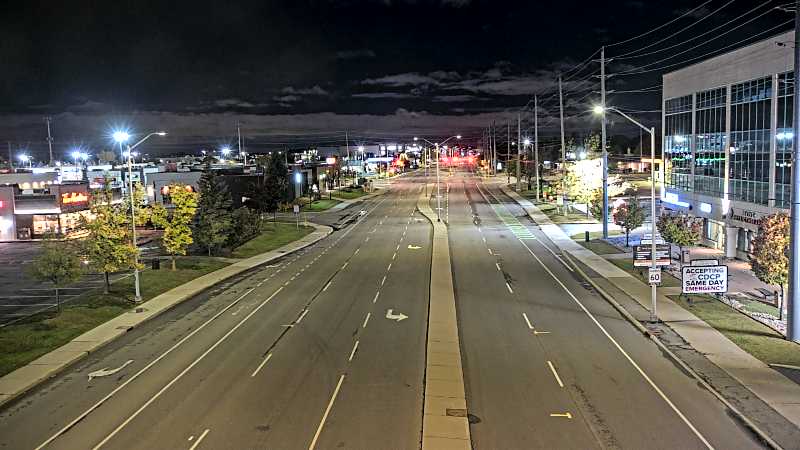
<point>704,279</point>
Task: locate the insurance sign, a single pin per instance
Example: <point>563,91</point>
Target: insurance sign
<point>704,279</point>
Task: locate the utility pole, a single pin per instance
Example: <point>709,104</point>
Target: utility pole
<point>49,140</point>
<point>603,140</point>
<point>494,149</point>
<point>536,143</point>
<point>563,147</point>
<point>793,313</point>
<point>508,150</point>
<point>239,134</point>
<point>519,147</point>
<point>347,146</point>
<point>10,157</point>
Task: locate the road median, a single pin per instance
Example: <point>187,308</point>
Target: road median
<point>444,423</point>
<point>21,380</point>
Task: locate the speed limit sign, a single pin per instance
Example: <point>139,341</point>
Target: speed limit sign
<point>654,275</point>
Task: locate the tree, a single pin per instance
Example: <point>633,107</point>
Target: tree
<point>177,234</point>
<point>585,177</point>
<point>770,261</point>
<point>107,156</point>
<point>596,207</point>
<point>246,225</point>
<point>108,245</point>
<point>59,264</point>
<point>681,230</point>
<point>213,223</point>
<point>271,189</point>
<point>629,215</point>
<point>142,210</point>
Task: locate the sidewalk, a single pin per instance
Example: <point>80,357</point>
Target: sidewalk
<point>23,379</point>
<point>770,386</point>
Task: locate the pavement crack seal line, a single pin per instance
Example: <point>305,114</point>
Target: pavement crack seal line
<point>108,396</point>
<point>666,350</point>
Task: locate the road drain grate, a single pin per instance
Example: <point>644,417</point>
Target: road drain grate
<point>456,412</point>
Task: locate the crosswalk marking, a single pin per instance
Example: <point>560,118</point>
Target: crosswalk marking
<point>513,224</point>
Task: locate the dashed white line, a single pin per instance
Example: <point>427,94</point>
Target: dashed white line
<point>498,267</point>
<point>199,439</point>
<point>327,286</point>
<point>366,319</point>
<point>555,374</point>
<point>303,314</point>
<point>527,321</point>
<point>258,369</point>
<point>353,352</point>
<point>327,411</point>
<point>394,256</point>
<point>345,264</point>
<point>357,250</point>
<point>397,248</point>
<point>509,288</point>
<point>383,280</point>
<point>490,251</point>
<point>389,268</point>
<point>375,299</point>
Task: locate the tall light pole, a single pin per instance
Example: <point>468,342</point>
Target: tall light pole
<point>519,149</point>
<point>792,329</point>
<point>603,139</point>
<point>438,158</point>
<point>122,137</point>
<point>653,287</point>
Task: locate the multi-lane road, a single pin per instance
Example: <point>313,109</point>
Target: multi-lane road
<point>325,349</point>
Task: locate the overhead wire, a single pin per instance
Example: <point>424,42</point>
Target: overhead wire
<point>661,26</point>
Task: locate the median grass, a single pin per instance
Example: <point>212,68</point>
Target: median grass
<point>273,235</point>
<point>321,205</point>
<point>24,341</point>
<point>751,336</point>
<point>349,193</point>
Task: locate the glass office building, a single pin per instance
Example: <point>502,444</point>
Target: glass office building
<point>727,140</point>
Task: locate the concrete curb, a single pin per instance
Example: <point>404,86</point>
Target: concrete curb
<point>20,381</point>
<point>627,315</point>
<point>444,416</point>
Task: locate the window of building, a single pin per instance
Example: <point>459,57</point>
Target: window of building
<point>784,140</point>
<point>750,140</point>
<point>677,135</point>
<point>709,161</point>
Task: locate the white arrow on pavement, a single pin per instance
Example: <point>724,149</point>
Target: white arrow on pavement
<point>397,317</point>
<point>105,371</point>
<point>414,247</point>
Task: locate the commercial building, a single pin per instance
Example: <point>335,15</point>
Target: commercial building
<point>727,145</point>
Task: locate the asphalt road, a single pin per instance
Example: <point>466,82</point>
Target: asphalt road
<point>300,354</point>
<point>547,362</point>
<point>303,354</point>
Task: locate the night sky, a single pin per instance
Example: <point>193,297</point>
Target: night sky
<point>300,72</point>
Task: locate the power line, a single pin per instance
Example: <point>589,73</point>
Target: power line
<point>660,26</point>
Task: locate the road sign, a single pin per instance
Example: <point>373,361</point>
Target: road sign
<point>296,209</point>
<point>641,255</point>
<point>647,239</point>
<point>654,275</point>
<point>704,279</point>
<point>705,262</point>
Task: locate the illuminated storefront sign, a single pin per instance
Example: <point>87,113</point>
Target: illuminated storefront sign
<point>69,198</point>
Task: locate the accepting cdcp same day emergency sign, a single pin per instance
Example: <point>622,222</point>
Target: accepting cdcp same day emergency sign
<point>704,279</point>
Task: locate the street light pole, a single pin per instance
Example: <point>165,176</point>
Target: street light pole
<point>123,137</point>
<point>603,140</point>
<point>793,313</point>
<point>652,131</point>
<point>438,158</point>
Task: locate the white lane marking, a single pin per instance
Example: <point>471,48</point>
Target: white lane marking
<point>525,316</point>
<point>261,365</point>
<point>184,371</point>
<point>498,267</point>
<point>199,439</point>
<point>383,280</point>
<point>327,411</point>
<point>366,319</point>
<point>327,286</point>
<point>303,314</point>
<point>490,251</point>
<point>484,239</point>
<point>394,256</point>
<point>555,374</point>
<point>367,239</point>
<point>353,352</point>
<point>479,230</point>
<point>345,265</point>
<point>357,250</point>
<point>376,297</point>
<point>144,369</point>
<point>509,288</point>
<point>286,284</point>
<point>389,268</point>
<point>104,372</point>
<point>623,352</point>
<point>398,247</point>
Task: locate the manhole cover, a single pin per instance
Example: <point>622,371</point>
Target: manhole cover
<point>456,412</point>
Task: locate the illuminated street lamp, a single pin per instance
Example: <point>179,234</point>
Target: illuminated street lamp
<point>26,159</point>
<point>438,184</point>
<point>601,110</point>
<point>122,137</point>
<point>225,151</point>
<point>75,155</point>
